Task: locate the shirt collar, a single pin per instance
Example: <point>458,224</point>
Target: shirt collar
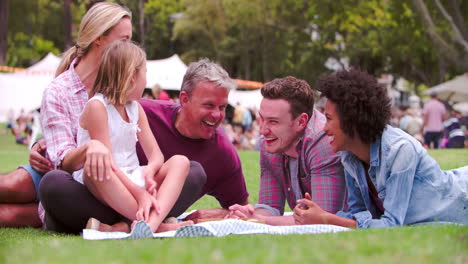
<point>375,153</point>
<point>314,125</point>
<point>348,157</point>
<point>299,145</point>
<point>78,85</point>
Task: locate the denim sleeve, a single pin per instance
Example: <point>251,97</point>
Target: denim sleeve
<point>402,163</point>
<point>356,203</point>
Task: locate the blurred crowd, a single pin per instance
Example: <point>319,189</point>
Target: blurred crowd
<point>444,127</point>
<point>435,125</point>
<point>243,129</point>
<point>23,125</point>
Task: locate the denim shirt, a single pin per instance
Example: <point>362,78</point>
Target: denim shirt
<point>409,182</point>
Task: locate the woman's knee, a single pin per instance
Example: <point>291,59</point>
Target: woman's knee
<point>51,185</point>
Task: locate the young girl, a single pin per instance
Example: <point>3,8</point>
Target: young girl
<point>114,117</point>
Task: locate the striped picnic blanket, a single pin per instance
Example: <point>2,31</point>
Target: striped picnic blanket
<point>215,228</point>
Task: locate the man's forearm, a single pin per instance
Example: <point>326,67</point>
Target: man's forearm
<point>74,159</point>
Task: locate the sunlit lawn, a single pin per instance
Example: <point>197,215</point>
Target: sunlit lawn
<point>422,244</point>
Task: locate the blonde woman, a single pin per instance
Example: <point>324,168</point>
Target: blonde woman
<point>62,103</point>
<point>68,204</point>
<point>64,99</point>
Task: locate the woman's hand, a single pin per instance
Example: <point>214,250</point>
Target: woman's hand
<point>145,203</point>
<point>99,162</point>
<point>307,212</point>
<point>37,158</point>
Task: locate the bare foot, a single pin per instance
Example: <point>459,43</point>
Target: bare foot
<point>119,227</point>
<point>169,227</point>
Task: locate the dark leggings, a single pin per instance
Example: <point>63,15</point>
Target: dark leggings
<point>68,204</point>
<point>432,137</point>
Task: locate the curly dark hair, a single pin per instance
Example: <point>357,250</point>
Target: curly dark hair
<point>362,104</point>
<point>296,91</point>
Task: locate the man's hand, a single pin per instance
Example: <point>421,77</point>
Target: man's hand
<point>207,213</point>
<point>99,162</point>
<point>307,212</point>
<point>241,211</point>
<point>37,158</point>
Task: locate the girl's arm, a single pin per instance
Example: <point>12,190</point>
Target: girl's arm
<point>95,120</point>
<point>95,155</point>
<point>150,147</point>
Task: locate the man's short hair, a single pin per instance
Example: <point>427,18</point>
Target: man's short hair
<point>296,91</point>
<point>205,70</point>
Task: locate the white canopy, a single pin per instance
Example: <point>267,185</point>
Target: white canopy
<point>48,64</point>
<point>248,99</point>
<point>461,107</point>
<point>168,73</point>
<point>21,91</point>
<point>455,90</point>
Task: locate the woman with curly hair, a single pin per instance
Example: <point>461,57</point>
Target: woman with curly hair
<point>391,179</point>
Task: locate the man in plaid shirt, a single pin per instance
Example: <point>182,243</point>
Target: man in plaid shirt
<point>296,159</point>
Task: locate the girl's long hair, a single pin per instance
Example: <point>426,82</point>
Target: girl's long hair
<point>120,61</point>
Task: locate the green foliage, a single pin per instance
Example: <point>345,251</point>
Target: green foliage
<point>261,40</point>
<point>258,40</point>
<point>25,50</point>
<point>38,26</point>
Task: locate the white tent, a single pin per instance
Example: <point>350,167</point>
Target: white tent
<point>455,90</point>
<point>48,64</point>
<point>248,99</point>
<point>21,91</point>
<point>168,73</point>
<point>461,107</point>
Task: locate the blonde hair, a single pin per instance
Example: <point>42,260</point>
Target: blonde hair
<point>120,61</point>
<point>97,22</point>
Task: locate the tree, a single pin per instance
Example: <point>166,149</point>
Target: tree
<point>448,35</point>
<point>256,39</point>
<point>141,22</point>
<point>158,29</point>
<point>67,25</point>
<point>3,30</point>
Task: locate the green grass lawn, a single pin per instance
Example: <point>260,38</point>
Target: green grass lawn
<point>419,244</point>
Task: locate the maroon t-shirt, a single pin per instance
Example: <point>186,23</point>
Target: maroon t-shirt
<point>225,180</point>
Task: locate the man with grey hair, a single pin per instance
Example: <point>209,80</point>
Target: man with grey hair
<point>190,128</point>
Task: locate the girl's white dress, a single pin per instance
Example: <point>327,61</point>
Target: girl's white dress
<point>123,140</point>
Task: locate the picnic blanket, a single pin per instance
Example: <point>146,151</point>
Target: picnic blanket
<point>215,228</point>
